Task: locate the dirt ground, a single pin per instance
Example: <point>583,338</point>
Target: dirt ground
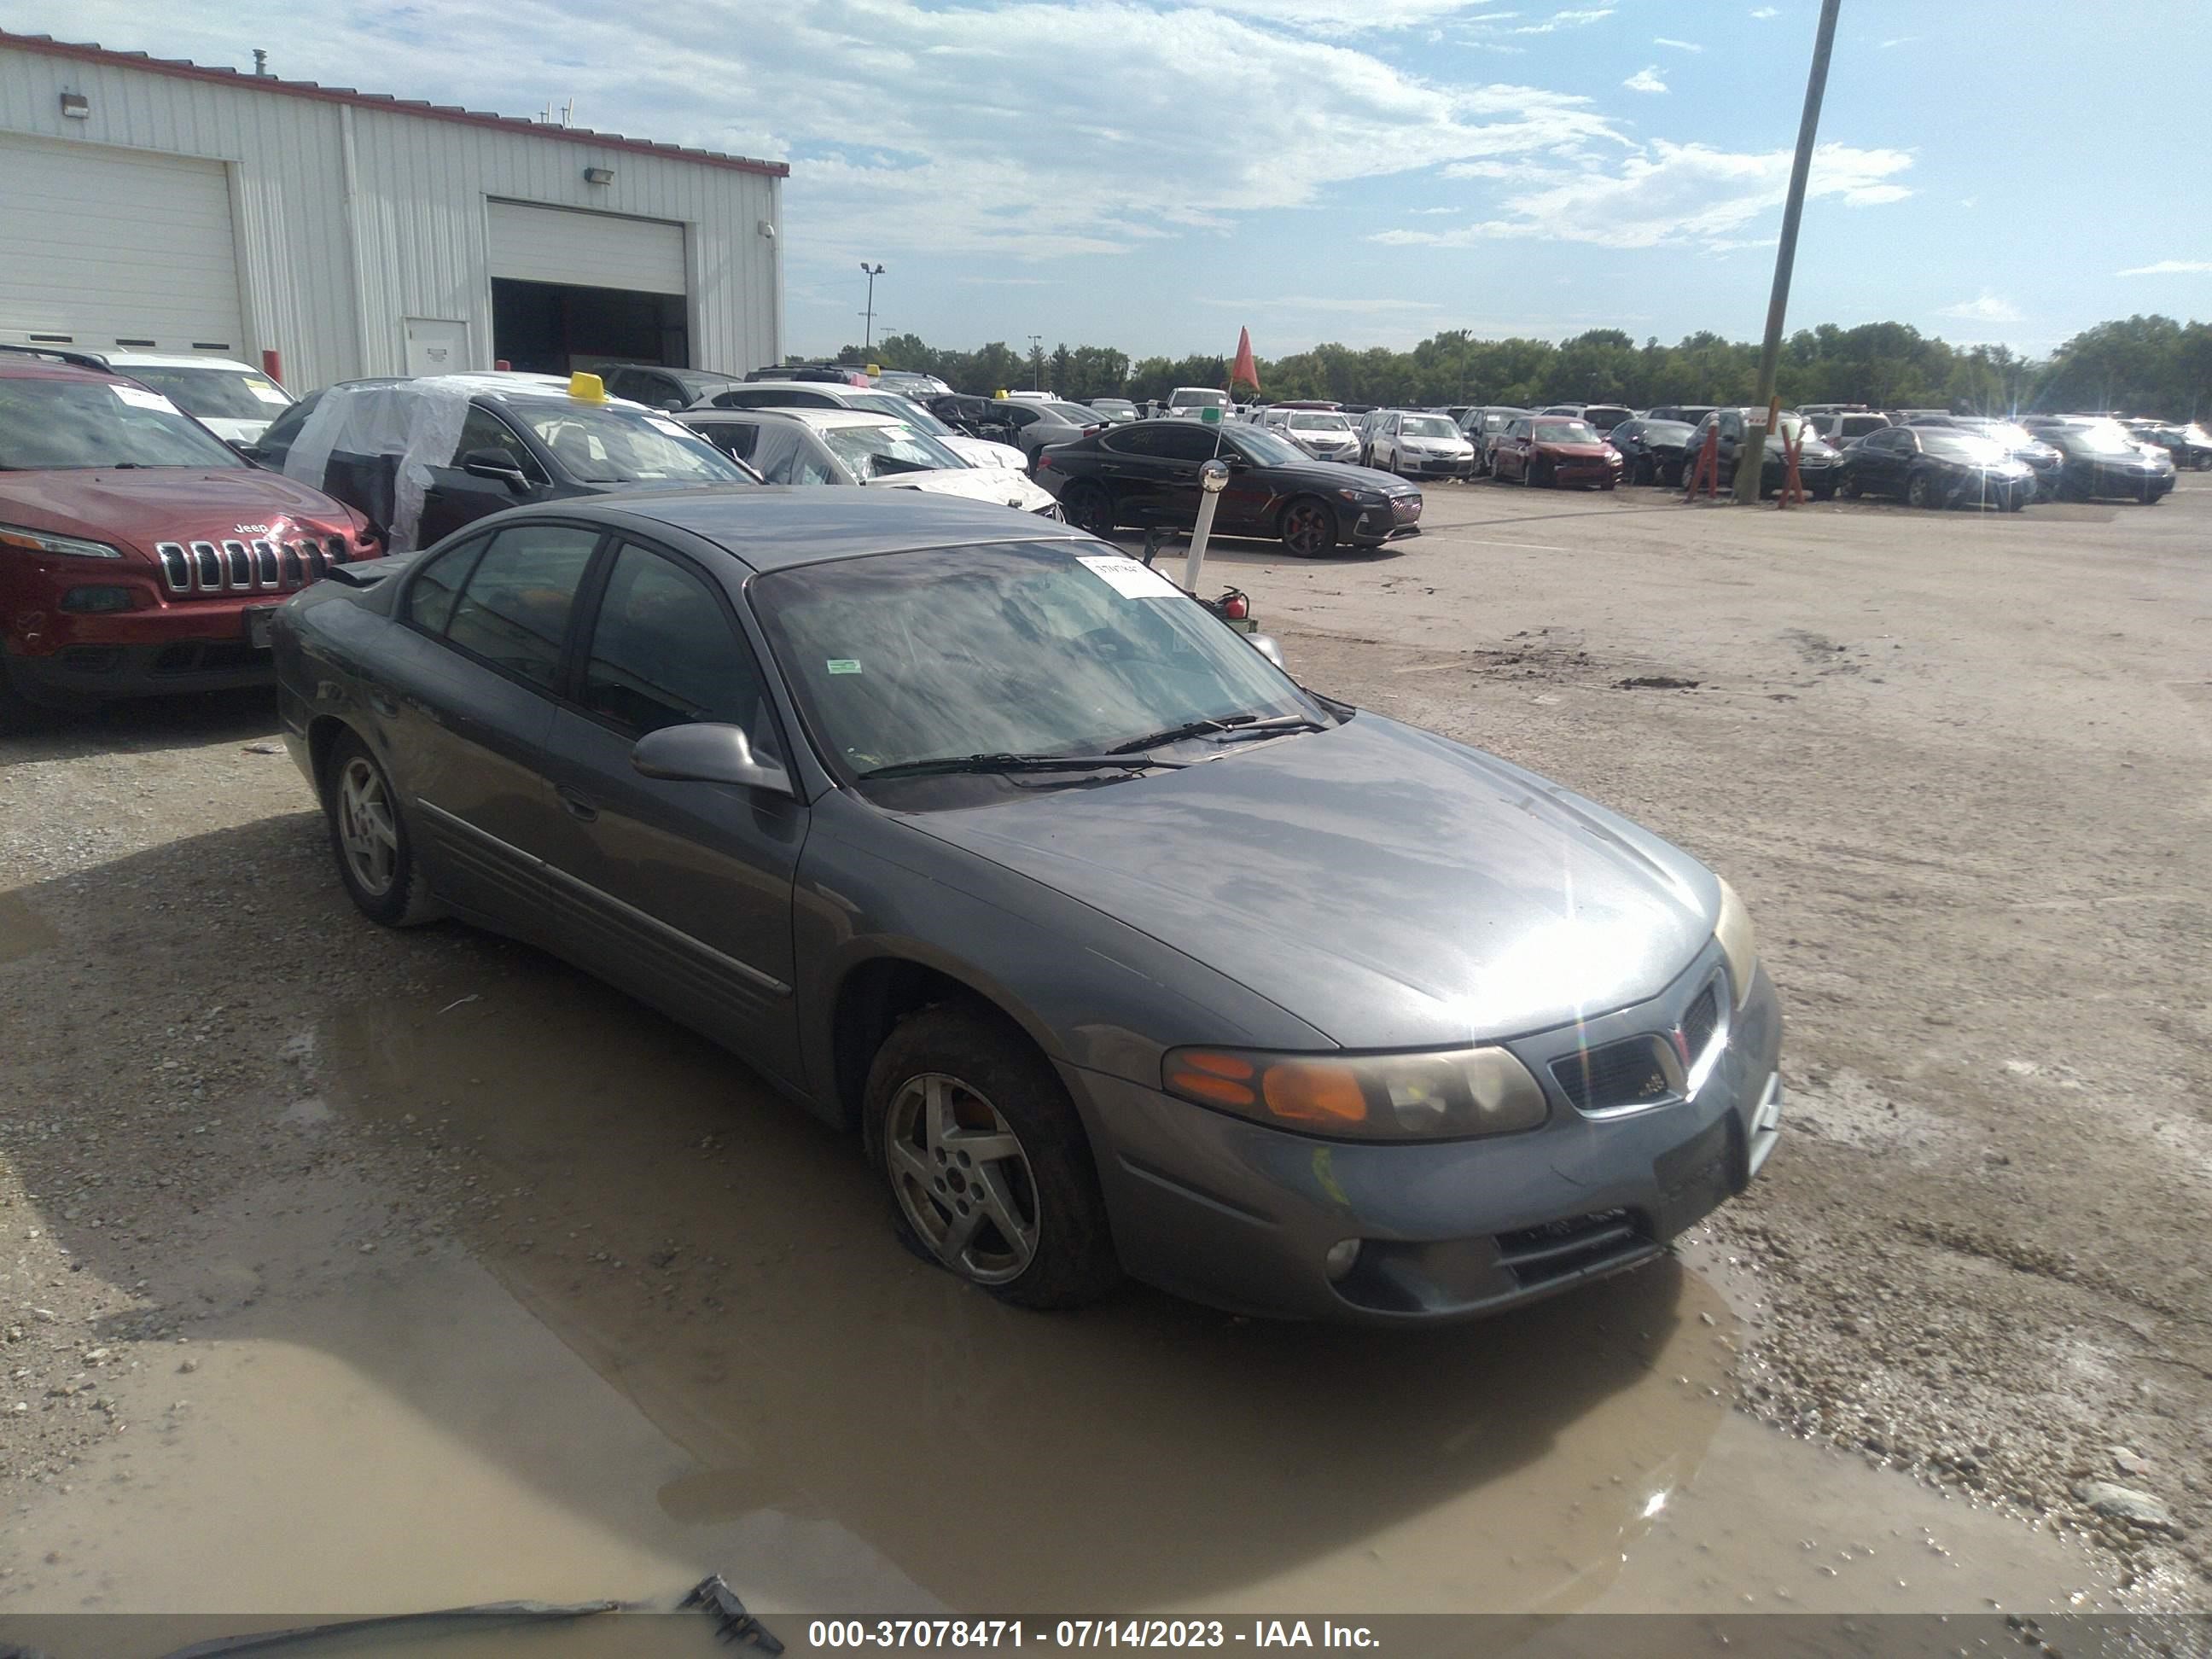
<point>346,1270</point>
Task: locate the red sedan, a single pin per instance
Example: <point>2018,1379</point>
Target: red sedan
<point>1554,449</point>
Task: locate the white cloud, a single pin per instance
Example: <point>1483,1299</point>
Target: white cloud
<point>1986,308</point>
<point>1673,193</point>
<point>1764,12</point>
<point>1897,40</point>
<point>1335,17</point>
<point>1437,209</point>
<point>2169,268</point>
<point>1567,20</point>
<point>1645,80</point>
<point>1359,307</point>
<point>1679,45</point>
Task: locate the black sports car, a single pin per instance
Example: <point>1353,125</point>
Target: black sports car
<point>2189,444</point>
<point>1655,452</point>
<point>1147,473</point>
<point>1936,466</point>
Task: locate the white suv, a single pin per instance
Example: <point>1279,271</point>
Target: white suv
<point>1191,401</point>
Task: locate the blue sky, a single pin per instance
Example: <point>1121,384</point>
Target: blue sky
<point>1152,173</point>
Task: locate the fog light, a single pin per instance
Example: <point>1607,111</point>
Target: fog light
<point>1342,1257</point>
<point>96,599</point>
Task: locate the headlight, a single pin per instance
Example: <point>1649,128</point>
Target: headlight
<point>1739,943</point>
<point>1440,1096</point>
<point>1364,497</point>
<point>1051,510</point>
<point>43,541</point>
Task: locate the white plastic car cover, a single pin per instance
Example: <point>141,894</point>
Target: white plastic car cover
<point>418,421</point>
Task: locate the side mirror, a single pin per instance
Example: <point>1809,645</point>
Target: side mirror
<point>247,448</point>
<point>709,754</point>
<point>496,464</point>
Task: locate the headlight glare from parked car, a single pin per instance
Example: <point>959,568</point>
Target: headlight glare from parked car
<point>1450,1095</point>
<point>45,541</point>
<point>1738,942</point>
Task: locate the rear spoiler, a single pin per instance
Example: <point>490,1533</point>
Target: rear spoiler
<point>367,573</point>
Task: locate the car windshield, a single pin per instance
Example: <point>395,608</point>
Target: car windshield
<point>1075,414</point>
<point>899,409</point>
<point>216,394</point>
<point>1498,420</point>
<point>95,423</point>
<point>1308,420</point>
<point>1197,398</point>
<point>1428,426</point>
<point>2005,433</point>
<point>1961,446</point>
<point>600,445</point>
<point>1666,432</point>
<point>1266,448</point>
<point>1030,649</point>
<point>1565,432</point>
<point>878,450</point>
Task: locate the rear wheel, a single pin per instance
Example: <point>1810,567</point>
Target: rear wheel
<point>1308,528</point>
<point>990,1175</point>
<point>369,838</point>
<point>1088,507</point>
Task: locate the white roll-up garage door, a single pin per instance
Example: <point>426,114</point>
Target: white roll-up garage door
<point>109,247</point>
<point>585,249</point>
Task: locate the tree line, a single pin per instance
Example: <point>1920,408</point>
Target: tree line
<point>2141,365</point>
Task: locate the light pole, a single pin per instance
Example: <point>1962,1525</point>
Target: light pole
<point>868,339</point>
<point>1785,259</point>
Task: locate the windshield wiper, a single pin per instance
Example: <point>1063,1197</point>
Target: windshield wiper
<point>1118,761</point>
<point>1227,725</point>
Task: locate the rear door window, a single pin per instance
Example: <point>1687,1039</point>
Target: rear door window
<point>513,611</point>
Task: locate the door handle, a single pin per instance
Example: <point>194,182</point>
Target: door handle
<point>579,807</point>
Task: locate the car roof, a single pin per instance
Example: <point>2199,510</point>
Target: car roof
<point>176,360</point>
<point>774,528</point>
<point>512,385</point>
<point>824,420</point>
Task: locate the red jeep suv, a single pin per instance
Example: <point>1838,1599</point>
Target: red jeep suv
<point>139,553</point>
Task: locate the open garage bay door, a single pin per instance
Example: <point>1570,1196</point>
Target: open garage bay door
<point>572,290</point>
<point>110,248</point>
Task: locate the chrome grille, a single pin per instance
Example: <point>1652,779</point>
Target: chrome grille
<point>199,569</point>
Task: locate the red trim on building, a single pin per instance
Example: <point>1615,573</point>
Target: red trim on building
<point>184,70</point>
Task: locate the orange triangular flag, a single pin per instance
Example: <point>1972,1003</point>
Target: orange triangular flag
<point>1246,372</point>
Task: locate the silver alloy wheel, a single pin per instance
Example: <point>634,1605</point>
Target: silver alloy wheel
<point>963,1179</point>
<point>366,827</point>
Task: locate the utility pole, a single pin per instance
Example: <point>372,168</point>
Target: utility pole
<point>868,339</point>
<point>1751,457</point>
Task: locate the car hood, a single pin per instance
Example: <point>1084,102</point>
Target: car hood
<point>1342,475</point>
<point>1388,887</point>
<point>982,452</point>
<point>1576,451</point>
<point>145,505</point>
<point>1003,486</point>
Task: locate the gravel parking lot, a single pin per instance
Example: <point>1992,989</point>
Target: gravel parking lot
<point>309,1225</point>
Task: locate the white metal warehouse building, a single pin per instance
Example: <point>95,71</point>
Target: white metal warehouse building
<point>147,203</point>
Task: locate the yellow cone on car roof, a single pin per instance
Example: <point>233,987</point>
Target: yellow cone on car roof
<point>587,388</point>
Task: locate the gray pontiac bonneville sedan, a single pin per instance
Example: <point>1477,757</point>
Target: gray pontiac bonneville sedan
<point>1120,951</point>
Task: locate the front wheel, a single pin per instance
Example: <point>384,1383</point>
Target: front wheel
<point>990,1175</point>
<point>1919,491</point>
<point>1308,528</point>
<point>369,838</point>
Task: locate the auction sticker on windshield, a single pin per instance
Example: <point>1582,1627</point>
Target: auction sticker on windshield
<point>138,397</point>
<point>1128,578</point>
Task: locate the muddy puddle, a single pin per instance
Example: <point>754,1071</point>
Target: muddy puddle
<point>672,1335</point>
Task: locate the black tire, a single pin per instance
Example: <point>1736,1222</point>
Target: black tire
<point>1918,491</point>
<point>1090,508</point>
<point>1527,472</point>
<point>1643,471</point>
<point>1608,483</point>
<point>397,895</point>
<point>994,1082</point>
<point>1822,492</point>
<point>1308,527</point>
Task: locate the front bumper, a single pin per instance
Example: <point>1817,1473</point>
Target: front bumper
<point>1435,466</point>
<point>1399,515</point>
<point>1240,1215</point>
